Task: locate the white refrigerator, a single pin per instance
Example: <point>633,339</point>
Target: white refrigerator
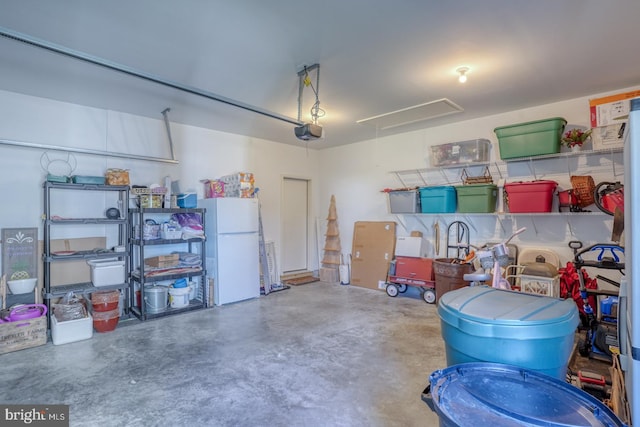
<point>233,259</point>
<point>629,312</point>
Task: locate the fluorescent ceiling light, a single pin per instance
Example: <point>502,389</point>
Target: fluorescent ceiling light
<point>417,113</point>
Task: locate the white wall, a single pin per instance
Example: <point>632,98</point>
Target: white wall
<point>354,173</point>
<point>357,173</point>
<point>201,153</point>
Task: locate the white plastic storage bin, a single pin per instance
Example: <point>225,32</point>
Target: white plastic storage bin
<point>71,330</point>
<point>404,201</point>
<point>454,153</point>
<point>107,272</point>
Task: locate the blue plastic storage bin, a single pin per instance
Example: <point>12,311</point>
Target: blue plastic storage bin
<point>438,199</point>
<point>483,324</point>
<point>187,200</point>
<point>498,395</point>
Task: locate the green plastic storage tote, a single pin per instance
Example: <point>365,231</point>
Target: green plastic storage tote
<point>531,138</point>
<point>477,198</point>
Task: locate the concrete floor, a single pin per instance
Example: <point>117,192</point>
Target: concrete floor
<point>314,355</point>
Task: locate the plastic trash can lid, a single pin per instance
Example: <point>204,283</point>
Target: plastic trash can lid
<point>493,394</point>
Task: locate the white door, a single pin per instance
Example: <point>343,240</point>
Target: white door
<point>295,225</point>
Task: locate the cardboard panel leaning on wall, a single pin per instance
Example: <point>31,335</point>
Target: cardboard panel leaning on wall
<point>371,252</point>
<point>72,271</point>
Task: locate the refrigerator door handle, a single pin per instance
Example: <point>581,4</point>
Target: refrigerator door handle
<point>623,335</point>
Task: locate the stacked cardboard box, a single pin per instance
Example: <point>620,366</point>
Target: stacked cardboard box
<point>162,261</point>
<point>239,184</point>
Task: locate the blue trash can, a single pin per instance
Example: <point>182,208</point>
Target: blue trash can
<point>499,395</point>
<point>484,324</point>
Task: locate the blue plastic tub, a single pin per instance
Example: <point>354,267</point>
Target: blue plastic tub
<point>440,199</point>
<point>498,395</point>
<point>483,324</point>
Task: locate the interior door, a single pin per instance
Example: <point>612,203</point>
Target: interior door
<point>295,225</point>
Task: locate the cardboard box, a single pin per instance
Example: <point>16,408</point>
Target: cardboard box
<point>371,253</point>
<point>612,109</point>
<point>163,261</point>
<point>73,271</point>
<point>410,246</point>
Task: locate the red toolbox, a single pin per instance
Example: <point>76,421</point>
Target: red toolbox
<point>530,197</point>
<point>419,270</point>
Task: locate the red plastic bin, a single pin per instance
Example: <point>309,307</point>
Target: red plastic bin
<point>530,197</point>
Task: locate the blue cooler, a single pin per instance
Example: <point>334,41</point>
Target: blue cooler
<point>497,395</point>
<point>483,324</point>
<point>187,200</point>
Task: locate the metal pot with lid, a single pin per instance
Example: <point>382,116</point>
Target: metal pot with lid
<point>540,268</point>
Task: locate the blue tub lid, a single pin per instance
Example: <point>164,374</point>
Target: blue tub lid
<point>438,188</point>
<point>497,395</point>
<point>486,311</point>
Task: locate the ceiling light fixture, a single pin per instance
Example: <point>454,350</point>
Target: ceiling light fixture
<point>462,74</point>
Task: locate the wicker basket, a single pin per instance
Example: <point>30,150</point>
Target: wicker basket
<point>584,187</point>
<point>485,178</point>
<point>117,176</point>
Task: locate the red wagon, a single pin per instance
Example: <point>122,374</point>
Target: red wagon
<point>412,271</point>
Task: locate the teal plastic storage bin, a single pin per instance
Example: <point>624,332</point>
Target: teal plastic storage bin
<point>478,198</point>
<point>531,138</point>
<point>80,179</point>
<point>438,199</point>
<point>483,324</point>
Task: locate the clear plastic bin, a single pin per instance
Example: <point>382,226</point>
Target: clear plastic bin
<point>463,152</point>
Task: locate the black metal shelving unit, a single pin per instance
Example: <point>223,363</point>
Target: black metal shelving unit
<point>49,258</point>
<point>141,278</point>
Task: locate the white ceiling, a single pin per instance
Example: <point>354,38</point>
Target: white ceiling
<point>375,57</point>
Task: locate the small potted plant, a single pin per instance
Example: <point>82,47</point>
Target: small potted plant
<point>574,138</point>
